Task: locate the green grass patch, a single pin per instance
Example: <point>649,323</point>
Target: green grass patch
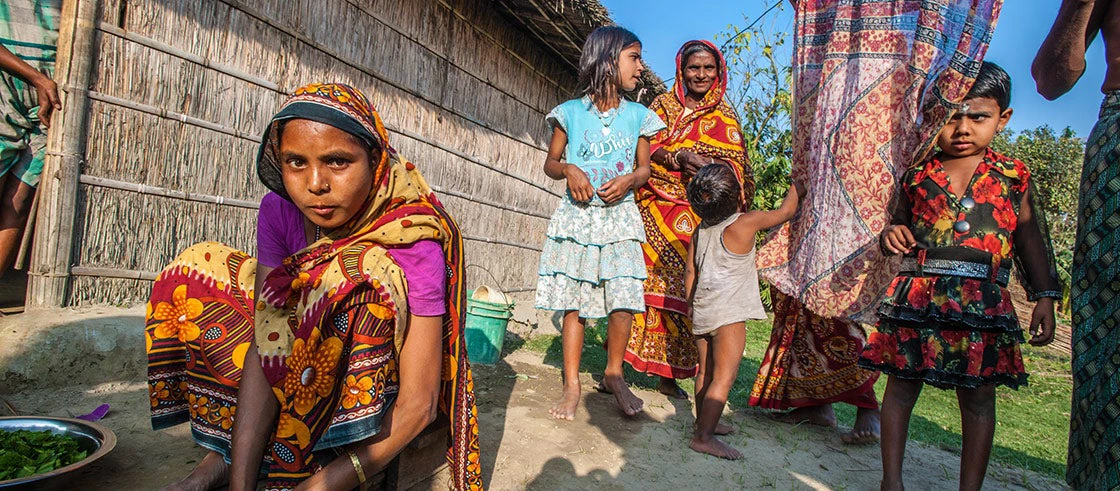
<point>1032,423</point>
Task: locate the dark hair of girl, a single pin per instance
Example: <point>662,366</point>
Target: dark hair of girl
<point>992,83</point>
<point>598,64</point>
<point>714,193</point>
<point>696,47</point>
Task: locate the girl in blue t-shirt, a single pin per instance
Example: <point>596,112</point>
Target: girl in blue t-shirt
<point>591,265</point>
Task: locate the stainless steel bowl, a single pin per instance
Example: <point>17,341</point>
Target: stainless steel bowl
<point>92,437</point>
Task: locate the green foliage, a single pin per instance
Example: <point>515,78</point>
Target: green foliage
<point>25,453</point>
<point>1054,159</point>
<point>760,80</point>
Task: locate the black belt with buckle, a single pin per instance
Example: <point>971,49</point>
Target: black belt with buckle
<point>964,262</point>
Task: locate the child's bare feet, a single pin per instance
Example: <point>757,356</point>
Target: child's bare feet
<point>628,403</point>
<point>670,388</point>
<point>716,447</point>
<point>565,409</point>
<point>866,429</point>
<point>814,415</point>
<point>210,473</point>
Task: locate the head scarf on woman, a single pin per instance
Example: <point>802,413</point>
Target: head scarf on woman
<point>301,346</point>
<point>710,130</point>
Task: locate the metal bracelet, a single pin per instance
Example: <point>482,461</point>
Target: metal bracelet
<point>358,469</point>
<point>1054,294</point>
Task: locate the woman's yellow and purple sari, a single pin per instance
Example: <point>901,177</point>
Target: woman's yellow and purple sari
<point>328,322</point>
<point>661,338</point>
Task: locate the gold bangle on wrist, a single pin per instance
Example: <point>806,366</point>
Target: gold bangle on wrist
<point>358,469</point>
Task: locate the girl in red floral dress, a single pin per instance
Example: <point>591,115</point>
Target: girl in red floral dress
<point>962,218</point>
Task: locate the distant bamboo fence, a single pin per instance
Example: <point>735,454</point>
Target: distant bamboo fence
<point>165,102</point>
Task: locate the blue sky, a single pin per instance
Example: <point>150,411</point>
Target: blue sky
<point>663,25</point>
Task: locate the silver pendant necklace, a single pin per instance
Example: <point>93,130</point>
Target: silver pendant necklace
<point>603,118</point>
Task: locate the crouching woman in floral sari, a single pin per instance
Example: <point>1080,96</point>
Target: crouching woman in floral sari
<point>325,348</point>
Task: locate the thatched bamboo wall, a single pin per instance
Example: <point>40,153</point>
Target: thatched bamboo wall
<point>180,91</point>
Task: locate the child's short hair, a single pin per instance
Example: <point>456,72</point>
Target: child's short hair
<point>598,64</point>
<point>992,83</point>
<point>714,193</point>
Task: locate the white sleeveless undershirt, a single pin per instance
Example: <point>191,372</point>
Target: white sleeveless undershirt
<point>726,283</point>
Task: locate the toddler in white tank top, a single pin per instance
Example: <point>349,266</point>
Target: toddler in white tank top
<point>722,283</point>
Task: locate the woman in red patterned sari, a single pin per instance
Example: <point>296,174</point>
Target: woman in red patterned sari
<point>701,130</point>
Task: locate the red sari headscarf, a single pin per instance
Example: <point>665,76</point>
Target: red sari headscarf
<point>335,312</point>
<point>711,130</point>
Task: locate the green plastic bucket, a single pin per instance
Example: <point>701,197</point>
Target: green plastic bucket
<point>486,329</point>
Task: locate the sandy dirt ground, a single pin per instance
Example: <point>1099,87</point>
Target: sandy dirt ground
<point>523,448</point>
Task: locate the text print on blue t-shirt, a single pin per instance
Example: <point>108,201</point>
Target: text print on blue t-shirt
<point>598,151</point>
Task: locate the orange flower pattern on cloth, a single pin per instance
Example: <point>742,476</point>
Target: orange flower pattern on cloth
<point>356,391</point>
<point>197,317</point>
<point>158,392</point>
<point>178,316</point>
<point>311,370</point>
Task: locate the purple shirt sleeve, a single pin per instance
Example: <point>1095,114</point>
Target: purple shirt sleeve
<point>279,230</point>
<point>426,272</point>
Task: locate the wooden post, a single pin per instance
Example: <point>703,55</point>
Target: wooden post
<point>49,275</point>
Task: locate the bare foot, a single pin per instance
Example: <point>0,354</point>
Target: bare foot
<point>866,429</point>
<point>210,473</point>
<point>565,409</point>
<point>670,388</point>
<point>628,403</point>
<point>722,429</point>
<point>814,415</point>
<point>715,447</point>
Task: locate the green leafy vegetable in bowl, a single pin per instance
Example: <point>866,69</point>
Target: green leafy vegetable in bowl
<point>25,453</point>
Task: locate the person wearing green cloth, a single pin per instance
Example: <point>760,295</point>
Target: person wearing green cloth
<point>28,96</point>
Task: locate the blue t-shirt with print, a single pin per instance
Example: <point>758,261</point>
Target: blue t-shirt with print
<point>603,145</point>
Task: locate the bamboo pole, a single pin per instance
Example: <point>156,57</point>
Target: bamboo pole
<point>28,231</point>
<point>129,274</point>
<point>163,113</point>
<point>167,193</point>
<point>538,32</point>
<point>171,50</point>
<point>77,50</point>
<point>515,209</point>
